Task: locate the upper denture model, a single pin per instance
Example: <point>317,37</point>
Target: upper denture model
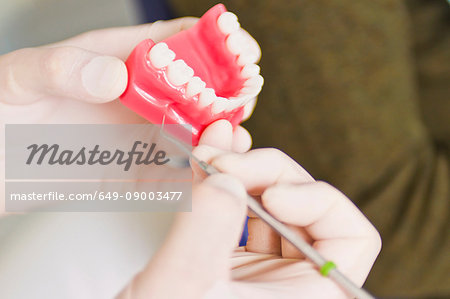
<point>197,76</point>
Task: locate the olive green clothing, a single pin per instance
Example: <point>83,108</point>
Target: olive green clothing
<point>358,93</point>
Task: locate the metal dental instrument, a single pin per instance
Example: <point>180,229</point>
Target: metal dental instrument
<point>326,268</point>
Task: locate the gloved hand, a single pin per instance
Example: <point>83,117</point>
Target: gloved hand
<point>76,81</point>
<point>199,258</point>
<point>63,82</point>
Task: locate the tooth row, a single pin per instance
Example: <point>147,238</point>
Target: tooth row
<point>179,73</point>
<point>250,90</point>
<point>239,42</point>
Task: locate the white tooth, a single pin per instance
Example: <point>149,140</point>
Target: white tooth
<point>194,86</point>
<point>207,96</point>
<point>236,43</point>
<point>247,58</point>
<point>252,87</point>
<point>220,104</point>
<point>256,81</point>
<point>248,108</point>
<point>160,55</point>
<point>250,91</point>
<point>179,73</point>
<point>250,70</point>
<point>251,45</point>
<point>236,103</point>
<point>228,22</point>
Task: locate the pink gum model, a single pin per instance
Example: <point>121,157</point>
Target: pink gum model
<point>197,76</point>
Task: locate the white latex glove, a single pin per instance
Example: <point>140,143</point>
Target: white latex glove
<point>63,82</point>
<point>199,257</point>
<point>76,81</point>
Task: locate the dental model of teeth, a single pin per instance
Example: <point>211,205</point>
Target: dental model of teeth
<point>200,75</point>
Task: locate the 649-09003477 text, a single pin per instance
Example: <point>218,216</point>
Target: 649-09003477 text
<point>98,196</point>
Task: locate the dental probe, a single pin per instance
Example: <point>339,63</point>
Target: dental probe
<point>326,268</point>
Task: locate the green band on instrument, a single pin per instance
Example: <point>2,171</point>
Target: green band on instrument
<point>327,267</point>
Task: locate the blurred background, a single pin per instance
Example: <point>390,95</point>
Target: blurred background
<point>358,92</point>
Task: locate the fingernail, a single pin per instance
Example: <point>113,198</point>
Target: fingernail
<point>104,77</point>
<point>227,183</point>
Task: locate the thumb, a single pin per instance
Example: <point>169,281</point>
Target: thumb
<point>219,134</point>
<point>197,252</point>
<point>27,75</point>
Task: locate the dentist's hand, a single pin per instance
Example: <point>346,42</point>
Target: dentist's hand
<point>199,258</point>
<point>64,82</point>
<point>78,81</point>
